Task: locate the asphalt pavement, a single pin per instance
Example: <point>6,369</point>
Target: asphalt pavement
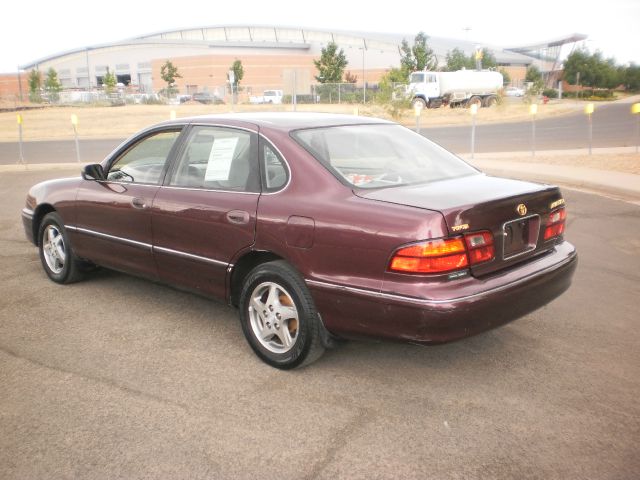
<point>613,126</point>
<point>117,377</point>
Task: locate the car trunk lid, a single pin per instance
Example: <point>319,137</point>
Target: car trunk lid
<point>513,211</point>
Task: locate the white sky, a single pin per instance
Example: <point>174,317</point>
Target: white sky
<point>35,29</point>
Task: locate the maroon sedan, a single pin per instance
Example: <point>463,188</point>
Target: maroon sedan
<point>315,226</point>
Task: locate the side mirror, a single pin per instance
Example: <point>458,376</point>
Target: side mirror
<point>93,171</point>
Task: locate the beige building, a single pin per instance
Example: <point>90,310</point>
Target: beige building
<point>272,57</point>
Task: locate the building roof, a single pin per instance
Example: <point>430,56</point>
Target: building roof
<point>274,37</point>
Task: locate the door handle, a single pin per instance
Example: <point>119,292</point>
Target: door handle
<point>137,202</point>
<point>239,217</point>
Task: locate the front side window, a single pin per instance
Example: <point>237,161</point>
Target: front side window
<point>144,162</point>
<point>374,156</point>
<point>218,158</point>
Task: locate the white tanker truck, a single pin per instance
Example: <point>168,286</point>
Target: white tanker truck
<point>456,89</point>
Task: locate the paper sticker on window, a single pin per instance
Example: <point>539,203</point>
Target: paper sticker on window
<point>220,159</point>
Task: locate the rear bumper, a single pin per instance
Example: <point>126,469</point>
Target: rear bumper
<point>27,223</point>
<point>352,312</point>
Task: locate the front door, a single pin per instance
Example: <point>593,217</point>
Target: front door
<point>205,213</point>
<point>113,217</point>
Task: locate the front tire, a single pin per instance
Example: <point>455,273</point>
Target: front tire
<point>57,257</point>
<point>419,100</point>
<point>279,318</point>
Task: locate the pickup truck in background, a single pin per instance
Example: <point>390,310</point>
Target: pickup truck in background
<point>268,96</point>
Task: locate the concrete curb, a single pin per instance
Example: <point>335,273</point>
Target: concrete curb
<point>617,184</point>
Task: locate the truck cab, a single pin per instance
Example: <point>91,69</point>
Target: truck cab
<point>424,87</point>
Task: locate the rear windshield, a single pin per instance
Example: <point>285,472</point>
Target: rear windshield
<point>374,156</point>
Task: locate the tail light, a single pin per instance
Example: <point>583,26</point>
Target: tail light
<point>444,254</point>
<point>480,247</point>
<point>555,224</point>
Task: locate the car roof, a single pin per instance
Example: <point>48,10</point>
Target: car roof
<point>286,121</point>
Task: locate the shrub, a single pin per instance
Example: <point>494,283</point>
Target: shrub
<point>550,92</point>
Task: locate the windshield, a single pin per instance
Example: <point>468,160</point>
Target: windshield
<point>374,156</point>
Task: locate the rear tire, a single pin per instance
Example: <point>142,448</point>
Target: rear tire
<point>474,100</point>
<point>56,254</point>
<point>490,101</point>
<point>279,318</point>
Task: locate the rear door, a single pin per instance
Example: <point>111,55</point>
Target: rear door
<point>205,213</point>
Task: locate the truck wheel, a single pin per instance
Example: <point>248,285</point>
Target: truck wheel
<point>474,100</point>
<point>420,101</point>
<point>490,101</point>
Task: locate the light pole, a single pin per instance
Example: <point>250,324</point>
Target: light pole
<point>473,109</point>
<point>533,109</point>
<point>364,82</point>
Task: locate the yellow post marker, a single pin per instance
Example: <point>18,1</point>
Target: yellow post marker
<point>635,110</point>
<point>533,108</point>
<point>74,124</point>
<point>473,110</point>
<point>417,109</point>
<point>172,114</point>
<point>588,110</point>
<point>21,152</point>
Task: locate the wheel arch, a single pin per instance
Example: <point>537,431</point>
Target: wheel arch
<point>39,213</point>
<point>242,267</point>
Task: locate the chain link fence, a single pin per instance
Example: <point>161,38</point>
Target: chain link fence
<point>325,93</point>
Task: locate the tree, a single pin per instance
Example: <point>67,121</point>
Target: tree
<point>392,96</point>
<point>238,74</point>
<point>417,57</point>
<point>488,59</point>
<point>631,77</point>
<point>534,76</point>
<point>331,64</point>
<point>169,73</point>
<point>594,70</point>
<point>506,78</point>
<point>109,81</point>
<point>35,83</point>
<point>52,85</point>
<point>350,77</point>
<point>457,60</point>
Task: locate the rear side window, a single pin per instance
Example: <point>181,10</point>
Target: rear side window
<point>218,158</point>
<point>144,162</point>
<point>275,173</point>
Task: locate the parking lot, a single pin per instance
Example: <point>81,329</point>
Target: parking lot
<point>117,377</point>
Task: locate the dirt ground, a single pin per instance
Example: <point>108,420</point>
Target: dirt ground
<point>618,162</point>
<point>51,123</point>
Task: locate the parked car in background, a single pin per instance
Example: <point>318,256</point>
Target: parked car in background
<point>514,92</point>
<point>268,96</point>
<point>314,226</point>
<point>207,98</point>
